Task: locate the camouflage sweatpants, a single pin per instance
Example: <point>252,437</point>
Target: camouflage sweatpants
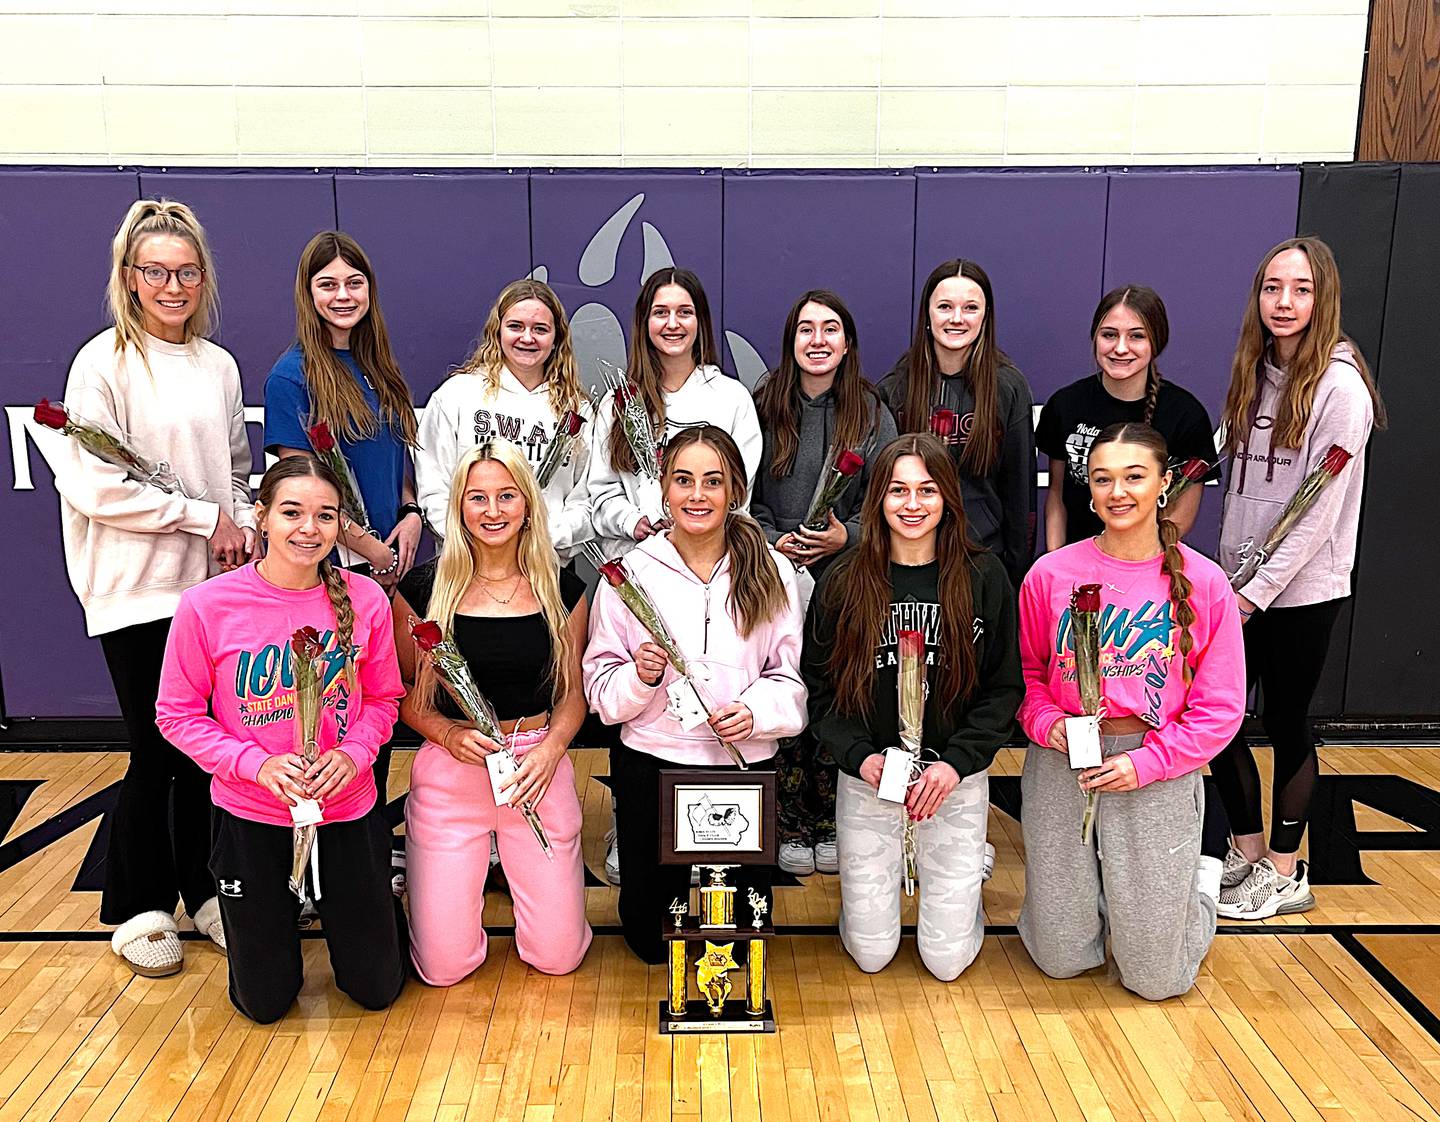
<point>950,851</point>
<point>805,792</point>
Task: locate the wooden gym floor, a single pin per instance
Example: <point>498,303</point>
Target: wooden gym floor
<point>1329,1015</point>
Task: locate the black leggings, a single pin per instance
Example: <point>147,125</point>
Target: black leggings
<point>1285,649</point>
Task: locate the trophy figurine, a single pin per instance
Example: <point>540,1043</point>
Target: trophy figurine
<point>717,900</point>
<point>712,974</point>
<point>758,907</point>
<point>680,910</point>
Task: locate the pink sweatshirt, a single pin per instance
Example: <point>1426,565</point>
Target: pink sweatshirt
<point>229,655</point>
<point>1139,655</point>
<point>761,670</point>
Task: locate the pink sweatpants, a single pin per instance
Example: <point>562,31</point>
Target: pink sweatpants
<point>449,817</point>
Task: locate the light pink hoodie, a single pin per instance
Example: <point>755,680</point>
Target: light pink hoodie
<point>761,670</point>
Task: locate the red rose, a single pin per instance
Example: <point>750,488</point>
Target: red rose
<point>911,644</point>
<point>306,643</point>
<point>849,463</point>
<point>614,572</point>
<point>944,423</point>
<point>427,634</point>
<point>1194,469</point>
<point>626,392</point>
<point>320,438</point>
<point>52,416</point>
<point>1086,598</point>
<point>570,423</point>
<point>1334,460</point>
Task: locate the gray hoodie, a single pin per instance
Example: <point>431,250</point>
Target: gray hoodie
<point>1313,563</point>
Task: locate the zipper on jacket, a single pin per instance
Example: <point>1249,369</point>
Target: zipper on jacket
<point>705,641</point>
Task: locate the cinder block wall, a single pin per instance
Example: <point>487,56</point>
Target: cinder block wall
<point>733,83</point>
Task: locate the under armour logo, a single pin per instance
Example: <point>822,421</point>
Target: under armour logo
<point>230,888</point>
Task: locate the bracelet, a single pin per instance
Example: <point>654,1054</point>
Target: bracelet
<point>409,508</point>
<point>445,737</point>
<point>390,568</point>
<point>1246,615</point>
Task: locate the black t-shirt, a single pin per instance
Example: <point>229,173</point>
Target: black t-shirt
<point>509,655</point>
<point>1076,415</point>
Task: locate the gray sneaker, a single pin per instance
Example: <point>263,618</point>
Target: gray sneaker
<point>1268,892</point>
<point>797,859</point>
<point>1236,868</point>
<point>827,857</point>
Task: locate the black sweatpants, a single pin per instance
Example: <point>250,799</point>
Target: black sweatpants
<point>646,886</point>
<point>1285,650</point>
<point>361,917</point>
<point>160,827</point>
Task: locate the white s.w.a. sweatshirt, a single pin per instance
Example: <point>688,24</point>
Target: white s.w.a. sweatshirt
<point>131,549</point>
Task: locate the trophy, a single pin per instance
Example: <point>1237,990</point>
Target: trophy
<point>717,899</point>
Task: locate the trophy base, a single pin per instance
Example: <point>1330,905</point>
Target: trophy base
<point>697,1019</point>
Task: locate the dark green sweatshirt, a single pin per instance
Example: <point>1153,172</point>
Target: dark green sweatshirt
<point>969,736</point>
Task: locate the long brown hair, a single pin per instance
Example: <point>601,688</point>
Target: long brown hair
<point>982,371</point>
<point>334,396</point>
<point>778,400</point>
<point>562,372</point>
<point>1147,305</point>
<point>145,219</point>
<point>860,593</point>
<point>643,367</point>
<point>1311,360</point>
<point>1173,565</point>
<point>299,467</point>
<point>757,593</point>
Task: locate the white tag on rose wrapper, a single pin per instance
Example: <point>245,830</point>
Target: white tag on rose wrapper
<point>895,778</point>
<point>501,766</point>
<point>1082,734</point>
<point>685,705</point>
<point>306,812</point>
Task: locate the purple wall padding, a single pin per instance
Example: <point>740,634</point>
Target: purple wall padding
<point>597,234</point>
<point>257,223</point>
<point>849,232</point>
<point>442,247</point>
<point>1196,237</point>
<point>56,231</point>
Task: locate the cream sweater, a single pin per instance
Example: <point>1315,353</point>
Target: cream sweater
<point>130,548</point>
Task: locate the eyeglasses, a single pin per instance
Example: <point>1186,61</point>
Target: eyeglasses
<point>157,276</point>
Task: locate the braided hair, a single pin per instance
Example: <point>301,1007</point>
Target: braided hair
<point>1173,564</point>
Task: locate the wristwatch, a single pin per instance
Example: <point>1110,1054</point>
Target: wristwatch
<point>409,508</point>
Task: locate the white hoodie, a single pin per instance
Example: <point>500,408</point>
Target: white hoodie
<point>618,500</point>
<point>464,412</point>
<point>131,549</point>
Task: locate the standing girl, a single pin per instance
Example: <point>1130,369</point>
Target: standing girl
<point>816,400</point>
<point>914,570</point>
<point>341,370</point>
<point>227,700</point>
<point>519,385</point>
<point>672,362</point>
<point>731,604</point>
<point>1128,333</point>
<point>1298,386</point>
<point>519,620</point>
<point>132,549</point>
<point>955,363</point>
<point>1174,694</point>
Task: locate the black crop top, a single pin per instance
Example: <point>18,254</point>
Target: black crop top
<point>509,655</point>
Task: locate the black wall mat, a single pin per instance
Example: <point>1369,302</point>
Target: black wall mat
<point>1352,207</point>
<point>1397,610</point>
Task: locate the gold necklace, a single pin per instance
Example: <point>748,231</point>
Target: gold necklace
<point>513,591</point>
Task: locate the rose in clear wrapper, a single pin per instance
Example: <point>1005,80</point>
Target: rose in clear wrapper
<point>841,466</point>
<point>307,667</point>
<point>567,429</point>
<point>910,687</point>
<point>1085,638</point>
<point>1253,556</point>
<point>945,424</point>
<point>1182,478</point>
<point>105,445</point>
<point>322,440</point>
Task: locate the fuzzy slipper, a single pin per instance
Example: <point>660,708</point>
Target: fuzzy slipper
<point>207,922</point>
<point>150,945</point>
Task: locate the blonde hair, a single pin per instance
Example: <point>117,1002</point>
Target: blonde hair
<point>562,371</point>
<point>1311,360</point>
<point>148,218</point>
<point>455,568</point>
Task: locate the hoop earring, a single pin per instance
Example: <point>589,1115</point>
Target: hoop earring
<point>1092,506</point>
<point>734,506</point>
<point>525,524</point>
<point>1162,500</point>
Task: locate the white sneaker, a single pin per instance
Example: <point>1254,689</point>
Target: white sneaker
<point>1268,892</point>
<point>827,857</point>
<point>397,872</point>
<point>1237,868</point>
<point>796,858</point>
<point>612,855</point>
<point>988,868</point>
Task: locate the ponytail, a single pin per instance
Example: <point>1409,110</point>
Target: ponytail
<point>1173,566</point>
<point>339,595</point>
<point>147,218</point>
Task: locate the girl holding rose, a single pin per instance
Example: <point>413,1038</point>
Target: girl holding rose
<point>132,550</point>
<point>913,570</point>
<point>815,405</point>
<point>519,620</point>
<point>227,700</point>
<point>1298,386</point>
<point>731,605</point>
<point>1173,693</point>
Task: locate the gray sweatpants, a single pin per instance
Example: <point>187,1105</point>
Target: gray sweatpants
<point>1136,878</point>
<point>950,852</point>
